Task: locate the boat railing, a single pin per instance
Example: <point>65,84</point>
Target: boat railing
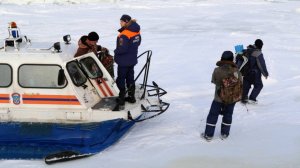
<point>144,70</point>
<point>153,91</point>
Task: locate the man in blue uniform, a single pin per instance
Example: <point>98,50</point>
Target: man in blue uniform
<point>126,53</point>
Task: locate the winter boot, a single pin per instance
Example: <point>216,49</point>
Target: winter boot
<point>252,101</point>
<point>120,101</point>
<point>131,92</point>
<point>244,100</point>
<point>224,136</point>
<point>207,138</point>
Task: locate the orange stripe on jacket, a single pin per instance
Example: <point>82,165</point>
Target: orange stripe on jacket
<point>128,33</point>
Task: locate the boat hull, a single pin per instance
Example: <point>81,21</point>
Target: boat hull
<point>23,140</point>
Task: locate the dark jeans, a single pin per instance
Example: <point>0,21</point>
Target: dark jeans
<point>215,110</point>
<point>253,78</point>
<point>125,76</point>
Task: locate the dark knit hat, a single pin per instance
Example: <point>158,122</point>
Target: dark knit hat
<point>83,38</point>
<point>227,56</point>
<point>125,18</point>
<point>93,36</point>
<point>258,43</point>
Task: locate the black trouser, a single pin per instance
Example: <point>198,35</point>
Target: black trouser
<point>212,118</point>
<point>253,78</point>
<point>125,76</point>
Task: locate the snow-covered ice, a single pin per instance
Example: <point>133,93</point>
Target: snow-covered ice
<point>187,39</point>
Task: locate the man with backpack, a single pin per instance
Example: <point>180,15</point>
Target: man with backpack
<point>228,91</point>
<point>252,76</point>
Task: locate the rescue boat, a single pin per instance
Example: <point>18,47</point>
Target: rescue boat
<point>57,107</point>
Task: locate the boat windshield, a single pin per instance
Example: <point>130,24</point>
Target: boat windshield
<point>76,73</point>
<point>91,68</point>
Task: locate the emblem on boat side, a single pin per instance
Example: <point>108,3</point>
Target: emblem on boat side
<point>16,98</point>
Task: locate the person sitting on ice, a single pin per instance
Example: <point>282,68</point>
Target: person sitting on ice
<point>88,43</point>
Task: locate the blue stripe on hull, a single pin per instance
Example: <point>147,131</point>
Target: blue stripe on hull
<point>19,140</point>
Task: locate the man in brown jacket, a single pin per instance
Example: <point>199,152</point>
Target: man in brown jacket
<point>226,67</point>
<point>88,44</point>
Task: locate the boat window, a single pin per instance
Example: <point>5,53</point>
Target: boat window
<point>39,76</point>
<point>91,68</point>
<point>76,74</point>
<point>5,75</point>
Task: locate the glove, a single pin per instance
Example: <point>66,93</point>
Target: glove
<point>99,48</point>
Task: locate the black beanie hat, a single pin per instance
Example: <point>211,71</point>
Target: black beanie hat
<point>258,43</point>
<point>227,56</point>
<point>93,36</point>
<point>83,38</point>
<point>125,18</point>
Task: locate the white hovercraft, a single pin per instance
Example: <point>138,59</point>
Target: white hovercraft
<point>60,108</point>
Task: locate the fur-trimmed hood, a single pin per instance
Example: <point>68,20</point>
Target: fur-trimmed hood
<point>132,25</point>
<point>221,63</point>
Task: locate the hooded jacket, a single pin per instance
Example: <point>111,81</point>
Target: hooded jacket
<point>222,71</point>
<point>84,48</point>
<point>128,42</point>
<point>257,62</point>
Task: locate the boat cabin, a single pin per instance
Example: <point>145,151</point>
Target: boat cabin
<point>46,76</point>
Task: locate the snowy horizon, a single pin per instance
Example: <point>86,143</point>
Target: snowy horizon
<point>187,39</point>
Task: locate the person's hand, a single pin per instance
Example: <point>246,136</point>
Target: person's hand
<point>99,48</point>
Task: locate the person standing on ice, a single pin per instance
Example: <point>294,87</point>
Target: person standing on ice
<point>257,68</point>
<point>126,54</point>
<point>226,68</point>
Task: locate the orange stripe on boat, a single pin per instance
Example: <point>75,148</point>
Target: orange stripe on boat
<point>50,102</point>
<point>4,98</point>
<point>50,96</point>
<point>4,101</point>
<point>50,99</point>
<point>107,87</point>
<point>102,90</point>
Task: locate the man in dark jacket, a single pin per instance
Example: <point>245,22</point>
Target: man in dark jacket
<point>225,67</point>
<point>126,53</point>
<point>253,77</point>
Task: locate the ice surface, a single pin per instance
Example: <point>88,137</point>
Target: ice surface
<point>187,38</point>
